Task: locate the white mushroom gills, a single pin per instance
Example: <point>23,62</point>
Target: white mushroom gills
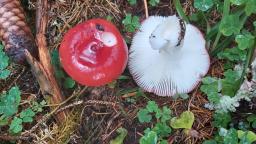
<point>165,59</point>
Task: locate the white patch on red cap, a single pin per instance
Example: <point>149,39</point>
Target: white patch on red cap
<point>108,39</point>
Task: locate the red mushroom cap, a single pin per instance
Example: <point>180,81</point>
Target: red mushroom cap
<point>94,52</point>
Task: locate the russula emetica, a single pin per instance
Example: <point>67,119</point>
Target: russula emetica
<point>168,56</point>
<point>93,53</point>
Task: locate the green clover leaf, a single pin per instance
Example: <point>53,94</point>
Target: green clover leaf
<point>122,133</point>
<point>4,62</point>
<point>27,115</point>
<point>211,87</point>
<point>230,25</point>
<point>144,116</point>
<point>166,115</point>
<point>131,23</point>
<point>244,41</point>
<point>162,129</point>
<point>250,7</point>
<point>149,138</point>
<point>221,119</point>
<point>69,83</point>
<point>231,137</point>
<point>233,54</point>
<point>9,102</point>
<point>132,2</point>
<point>230,82</point>
<point>185,121</point>
<point>154,2</point>
<point>249,135</point>
<point>4,74</point>
<point>237,2</point>
<point>152,106</point>
<point>203,5</point>
<point>16,125</point>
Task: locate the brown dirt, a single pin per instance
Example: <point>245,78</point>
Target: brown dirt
<point>99,123</point>
<point>95,123</point>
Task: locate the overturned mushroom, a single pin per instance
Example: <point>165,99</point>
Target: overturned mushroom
<point>167,56</point>
<point>94,53</point>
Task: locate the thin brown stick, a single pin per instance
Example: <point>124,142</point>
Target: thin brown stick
<point>146,8</point>
<point>76,103</point>
<point>38,71</point>
<point>44,56</point>
<point>12,138</point>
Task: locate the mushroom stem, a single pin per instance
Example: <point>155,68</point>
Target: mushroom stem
<point>168,35</point>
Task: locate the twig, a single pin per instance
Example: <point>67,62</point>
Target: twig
<point>106,136</point>
<point>146,8</point>
<point>13,138</point>
<point>111,121</point>
<point>70,106</point>
<point>38,71</point>
<point>87,102</point>
<point>129,95</point>
<point>191,99</point>
<point>44,65</point>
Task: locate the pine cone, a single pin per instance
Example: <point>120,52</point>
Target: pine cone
<point>14,31</point>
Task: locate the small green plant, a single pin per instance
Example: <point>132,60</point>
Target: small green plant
<point>161,128</point>
<point>145,115</point>
<point>4,63</point>
<point>185,121</point>
<point>122,133</point>
<point>131,23</point>
<point>214,88</point>
<point>61,76</point>
<point>246,136</point>
<point>154,2</point>
<point>245,40</point>
<point>132,2</point>
<point>233,55</point>
<point>183,96</point>
<point>232,42</point>
<point>38,107</point>
<point>203,5</point>
<point>211,87</point>
<point>250,6</point>
<point>9,102</point>
<point>228,134</point>
<point>109,18</point>
<point>16,126</point>
<point>27,115</point>
<point>150,137</point>
<point>232,136</point>
<point>221,119</point>
<point>9,113</point>
<point>230,24</point>
<point>252,120</point>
